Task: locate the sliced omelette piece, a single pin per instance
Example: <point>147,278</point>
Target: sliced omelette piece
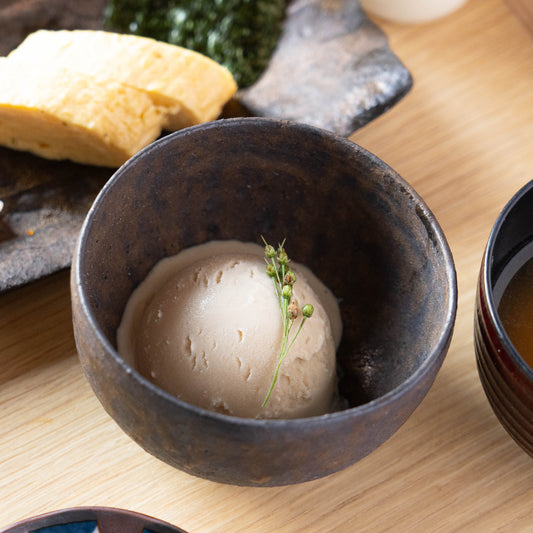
<point>192,87</point>
<point>61,114</point>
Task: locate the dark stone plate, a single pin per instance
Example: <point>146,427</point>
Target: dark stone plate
<point>333,69</point>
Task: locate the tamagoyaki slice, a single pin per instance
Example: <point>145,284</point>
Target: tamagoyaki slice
<point>192,87</point>
<point>62,114</point>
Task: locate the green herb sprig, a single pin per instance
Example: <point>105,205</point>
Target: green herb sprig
<point>277,268</point>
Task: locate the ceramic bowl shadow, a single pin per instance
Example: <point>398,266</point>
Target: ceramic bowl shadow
<point>349,217</point>
<point>506,378</point>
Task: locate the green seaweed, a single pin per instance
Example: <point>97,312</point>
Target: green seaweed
<point>239,34</point>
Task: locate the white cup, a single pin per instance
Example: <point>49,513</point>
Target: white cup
<point>411,11</point>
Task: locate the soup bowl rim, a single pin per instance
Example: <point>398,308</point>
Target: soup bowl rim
<point>487,282</point>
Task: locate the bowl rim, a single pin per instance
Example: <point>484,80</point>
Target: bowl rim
<point>429,220</point>
<point>69,515</point>
<point>487,281</point>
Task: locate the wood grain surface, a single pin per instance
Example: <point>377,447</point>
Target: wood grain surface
<point>523,9</point>
<point>463,139</point>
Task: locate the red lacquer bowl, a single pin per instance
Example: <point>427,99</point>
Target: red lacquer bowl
<point>506,378</point>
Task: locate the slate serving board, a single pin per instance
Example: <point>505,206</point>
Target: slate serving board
<point>333,68</point>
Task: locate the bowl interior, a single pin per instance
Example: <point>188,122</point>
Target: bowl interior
<point>512,232</point>
<point>510,245</point>
<point>344,213</point>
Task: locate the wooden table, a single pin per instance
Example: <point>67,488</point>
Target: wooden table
<point>463,139</point>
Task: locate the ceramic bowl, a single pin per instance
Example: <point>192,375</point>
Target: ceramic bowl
<point>91,520</point>
<point>506,378</point>
<point>353,220</point>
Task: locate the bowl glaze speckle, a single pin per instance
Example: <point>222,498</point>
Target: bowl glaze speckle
<point>348,216</point>
<point>506,378</point>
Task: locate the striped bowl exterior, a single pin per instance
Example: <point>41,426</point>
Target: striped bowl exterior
<point>506,379</point>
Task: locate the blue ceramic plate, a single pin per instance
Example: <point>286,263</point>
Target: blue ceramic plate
<point>92,520</point>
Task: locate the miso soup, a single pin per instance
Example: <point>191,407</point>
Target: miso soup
<point>516,305</point>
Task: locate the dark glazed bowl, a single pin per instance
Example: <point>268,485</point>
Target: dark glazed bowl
<point>358,225</point>
<point>506,378</point>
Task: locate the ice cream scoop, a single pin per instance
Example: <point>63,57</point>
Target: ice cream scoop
<point>206,327</point>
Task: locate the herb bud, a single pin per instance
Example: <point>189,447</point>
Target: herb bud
<point>292,310</point>
<point>271,270</point>
<point>283,258</point>
<point>270,251</point>
<point>286,292</point>
<point>307,310</point>
<point>290,278</point>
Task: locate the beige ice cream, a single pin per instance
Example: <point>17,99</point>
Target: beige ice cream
<point>205,326</point>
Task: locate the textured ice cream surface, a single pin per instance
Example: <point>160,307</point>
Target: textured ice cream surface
<point>206,327</point>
